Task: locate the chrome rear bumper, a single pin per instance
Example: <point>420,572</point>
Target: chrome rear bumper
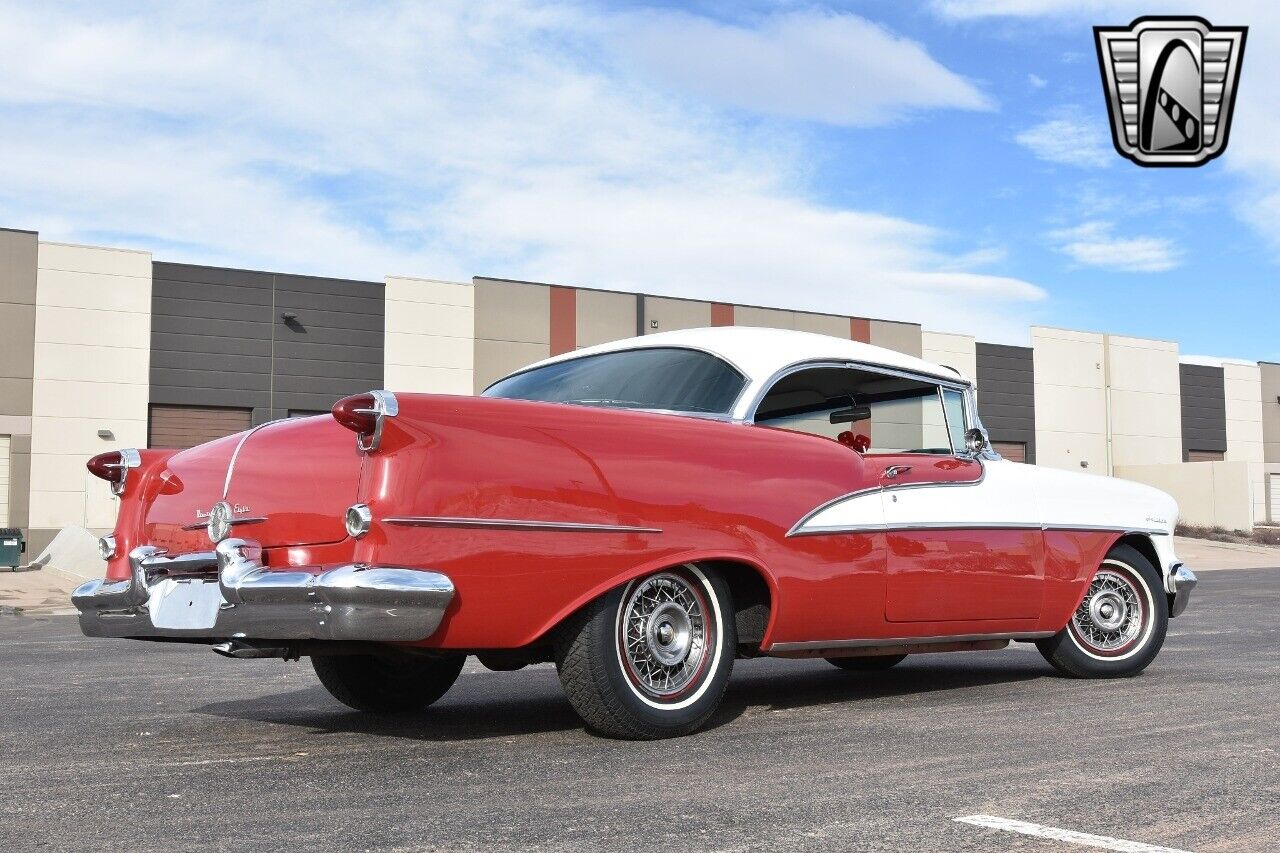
<point>180,597</point>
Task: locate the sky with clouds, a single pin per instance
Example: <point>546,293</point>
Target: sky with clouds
<point>946,162</point>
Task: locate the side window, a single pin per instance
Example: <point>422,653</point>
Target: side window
<point>871,412</point>
<point>957,419</point>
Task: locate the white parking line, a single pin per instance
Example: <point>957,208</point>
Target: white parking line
<point>1103,842</point>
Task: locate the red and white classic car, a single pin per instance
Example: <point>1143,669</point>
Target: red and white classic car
<point>641,513</point>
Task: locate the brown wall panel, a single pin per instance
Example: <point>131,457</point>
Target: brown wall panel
<point>564,320</point>
<point>721,314</point>
<point>187,426</point>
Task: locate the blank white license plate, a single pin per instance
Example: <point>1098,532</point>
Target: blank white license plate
<point>191,605</point>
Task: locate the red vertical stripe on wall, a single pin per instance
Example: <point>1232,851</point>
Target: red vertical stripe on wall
<point>564,320</point>
<point>721,314</point>
<point>860,329</point>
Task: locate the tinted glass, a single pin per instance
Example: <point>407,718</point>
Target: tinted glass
<point>677,380</point>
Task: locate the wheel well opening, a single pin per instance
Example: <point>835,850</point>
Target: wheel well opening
<point>1144,546</point>
<point>752,601</point>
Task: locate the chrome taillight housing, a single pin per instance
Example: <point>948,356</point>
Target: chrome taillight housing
<point>363,414</point>
<point>113,466</point>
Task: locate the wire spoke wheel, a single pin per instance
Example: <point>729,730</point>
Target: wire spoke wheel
<point>1112,616</point>
<point>664,634</point>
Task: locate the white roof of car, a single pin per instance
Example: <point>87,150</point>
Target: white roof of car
<point>761,353</point>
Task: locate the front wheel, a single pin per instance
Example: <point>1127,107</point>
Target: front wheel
<point>650,659</point>
<point>1120,624</point>
<point>387,683</point>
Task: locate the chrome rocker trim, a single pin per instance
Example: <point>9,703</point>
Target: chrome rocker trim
<point>1181,581</point>
<point>246,600</point>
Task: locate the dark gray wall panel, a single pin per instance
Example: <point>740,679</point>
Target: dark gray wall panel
<point>218,339</point>
<point>1006,394</point>
<point>1204,408</point>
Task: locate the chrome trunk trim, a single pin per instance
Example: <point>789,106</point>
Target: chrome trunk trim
<point>244,599</point>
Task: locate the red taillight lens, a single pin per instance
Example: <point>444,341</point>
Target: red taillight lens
<point>358,413</point>
<point>107,466</point>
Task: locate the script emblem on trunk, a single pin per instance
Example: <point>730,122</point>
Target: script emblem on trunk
<point>220,516</point>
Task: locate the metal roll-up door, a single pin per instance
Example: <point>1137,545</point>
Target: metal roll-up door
<point>187,426</point>
<point>1274,508</point>
<point>1014,451</point>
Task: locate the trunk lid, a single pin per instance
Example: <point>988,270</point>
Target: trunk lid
<point>288,483</point>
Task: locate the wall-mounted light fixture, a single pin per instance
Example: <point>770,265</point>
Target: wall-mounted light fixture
<point>106,434</point>
<point>289,317</point>
<point>653,324</point>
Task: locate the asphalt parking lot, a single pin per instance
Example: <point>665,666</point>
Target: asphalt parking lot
<point>118,745</point>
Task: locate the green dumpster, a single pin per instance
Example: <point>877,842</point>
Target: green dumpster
<point>12,547</point>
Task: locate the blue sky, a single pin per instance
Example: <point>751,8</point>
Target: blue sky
<point>946,162</point>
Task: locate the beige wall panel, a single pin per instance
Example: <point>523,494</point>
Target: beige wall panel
<point>79,437</point>
<point>1067,450</point>
<point>18,251</point>
<point>1137,364</point>
<point>1068,358</point>
<point>1145,450</point>
<point>428,318</point>
<point>822,324</point>
<point>767,318</point>
<point>958,351</point>
<point>429,380</point>
<point>434,291</point>
<point>1069,409</point>
<point>90,363</point>
<point>512,312</point>
<point>104,400</point>
<point>672,314</point>
<point>1270,380</point>
<point>901,337</point>
<point>429,351</point>
<point>4,480</point>
<point>92,372</point>
<point>1243,386</point>
<point>19,479</point>
<point>17,334</point>
<point>495,359</point>
<point>15,425</point>
<point>1136,413</point>
<point>15,397</point>
<point>1211,494</point>
<point>602,317</point>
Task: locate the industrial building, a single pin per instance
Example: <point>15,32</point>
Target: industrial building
<point>104,348</point>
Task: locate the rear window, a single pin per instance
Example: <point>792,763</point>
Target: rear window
<point>669,379</point>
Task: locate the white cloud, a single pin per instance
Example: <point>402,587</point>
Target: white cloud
<point>1070,138</point>
<point>1023,8</point>
<point>833,68</point>
<point>1035,81</point>
<point>446,140</point>
<point>1092,244</point>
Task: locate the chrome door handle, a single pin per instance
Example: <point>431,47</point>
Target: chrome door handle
<point>892,472</point>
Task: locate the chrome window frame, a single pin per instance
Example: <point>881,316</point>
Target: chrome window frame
<point>965,389</point>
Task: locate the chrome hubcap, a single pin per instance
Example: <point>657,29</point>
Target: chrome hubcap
<point>1111,615</point>
<point>663,634</point>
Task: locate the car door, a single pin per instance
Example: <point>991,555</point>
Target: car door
<point>957,551</point>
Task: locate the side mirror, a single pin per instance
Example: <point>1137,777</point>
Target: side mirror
<point>975,441</point>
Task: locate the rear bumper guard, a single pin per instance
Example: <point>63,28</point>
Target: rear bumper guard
<point>178,597</point>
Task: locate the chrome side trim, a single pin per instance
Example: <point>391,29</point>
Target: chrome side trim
<point>251,519</point>
<point>940,639</point>
<point>514,524</point>
<point>796,528</point>
<point>235,454</point>
<point>973,525</point>
<point>247,600</point>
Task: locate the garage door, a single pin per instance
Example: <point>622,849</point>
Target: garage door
<point>1275,499</point>
<point>4,481</point>
<point>187,426</point>
<point>1014,451</point>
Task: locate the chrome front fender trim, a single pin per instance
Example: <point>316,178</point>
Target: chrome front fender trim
<point>245,599</point>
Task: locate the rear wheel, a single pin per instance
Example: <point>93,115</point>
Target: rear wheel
<point>1120,625</point>
<point>387,683</point>
<point>650,659</point>
<point>867,663</point>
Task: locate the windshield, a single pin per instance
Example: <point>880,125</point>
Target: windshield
<point>677,380</point>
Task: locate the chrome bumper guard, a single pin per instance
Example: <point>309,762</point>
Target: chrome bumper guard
<point>1181,581</point>
<point>180,597</point>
